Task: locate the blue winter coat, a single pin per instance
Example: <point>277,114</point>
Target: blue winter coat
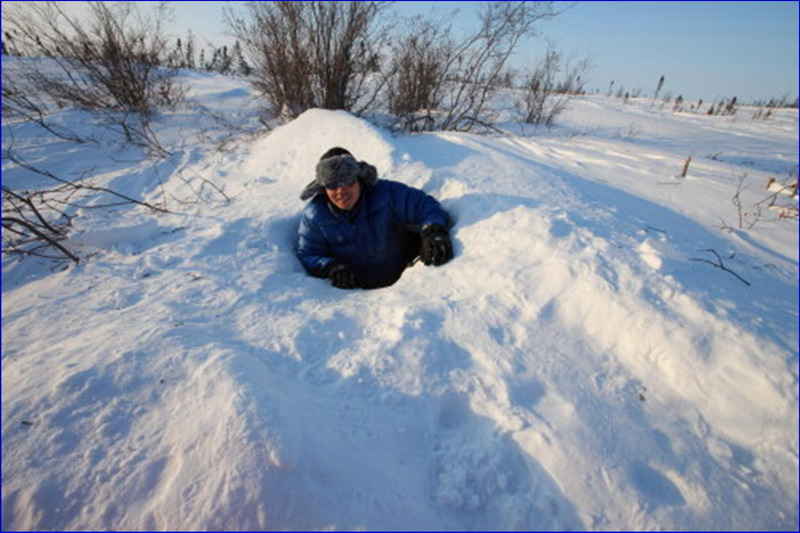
<point>370,238</point>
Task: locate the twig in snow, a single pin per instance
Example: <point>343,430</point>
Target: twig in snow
<point>75,185</point>
<point>719,264</point>
<point>686,166</point>
<point>648,227</point>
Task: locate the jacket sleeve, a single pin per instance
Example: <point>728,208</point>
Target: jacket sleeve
<point>313,250</point>
<point>413,207</point>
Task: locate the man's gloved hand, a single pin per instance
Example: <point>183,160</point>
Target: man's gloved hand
<point>436,247</point>
<point>342,277</point>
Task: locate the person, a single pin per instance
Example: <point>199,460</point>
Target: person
<point>362,232</point>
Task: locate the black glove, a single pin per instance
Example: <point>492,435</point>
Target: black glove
<point>436,247</point>
<point>342,277</point>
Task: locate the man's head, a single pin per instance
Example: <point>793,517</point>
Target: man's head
<point>337,169</point>
<point>338,172</point>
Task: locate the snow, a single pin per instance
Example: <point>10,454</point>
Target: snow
<point>582,363</point>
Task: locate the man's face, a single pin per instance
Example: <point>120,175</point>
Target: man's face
<point>344,196</point>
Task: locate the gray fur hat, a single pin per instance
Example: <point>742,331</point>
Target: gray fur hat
<point>338,164</point>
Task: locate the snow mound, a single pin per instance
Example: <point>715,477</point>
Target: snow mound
<point>291,151</point>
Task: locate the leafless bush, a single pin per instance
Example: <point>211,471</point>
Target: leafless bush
<point>762,113</point>
<point>310,54</point>
<point>325,54</point>
<point>724,108</point>
<point>23,102</point>
<point>36,222</point>
<point>748,219</point>
<point>546,96</point>
<point>26,231</point>
<point>438,82</point>
<point>419,62</point>
<point>472,71</point>
<point>773,200</point>
<point>766,109</point>
<point>780,189</point>
<point>110,63</point>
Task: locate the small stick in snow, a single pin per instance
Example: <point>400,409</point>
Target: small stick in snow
<point>719,264</point>
<point>686,166</point>
<point>648,227</point>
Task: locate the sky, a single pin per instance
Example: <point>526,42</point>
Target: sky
<point>705,50</point>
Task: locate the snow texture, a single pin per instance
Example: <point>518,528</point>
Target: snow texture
<point>580,364</point>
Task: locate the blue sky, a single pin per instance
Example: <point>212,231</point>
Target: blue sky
<point>704,50</point>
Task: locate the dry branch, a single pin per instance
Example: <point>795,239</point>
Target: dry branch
<point>719,264</point>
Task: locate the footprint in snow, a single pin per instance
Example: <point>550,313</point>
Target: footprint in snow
<point>654,487</point>
<point>483,478</point>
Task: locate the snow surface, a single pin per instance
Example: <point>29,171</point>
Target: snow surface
<point>580,364</point>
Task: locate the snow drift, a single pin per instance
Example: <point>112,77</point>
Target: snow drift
<point>580,364</point>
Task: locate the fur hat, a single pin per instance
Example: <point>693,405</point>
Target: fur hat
<point>337,164</point>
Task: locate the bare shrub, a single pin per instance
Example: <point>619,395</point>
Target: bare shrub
<point>36,222</point>
<point>780,190</point>
<point>326,54</point>
<point>439,82</point>
<point>27,232</point>
<point>767,109</point>
<point>111,62</point>
<point>781,198</point>
<point>23,102</point>
<point>310,54</point>
<point>419,63</point>
<point>724,108</point>
<point>478,62</point>
<point>547,96</point>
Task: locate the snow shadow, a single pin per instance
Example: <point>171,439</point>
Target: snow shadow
<point>19,271</point>
<point>654,487</point>
<point>771,165</point>
<point>434,150</point>
<point>144,181</point>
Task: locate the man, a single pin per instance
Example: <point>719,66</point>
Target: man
<point>359,231</point>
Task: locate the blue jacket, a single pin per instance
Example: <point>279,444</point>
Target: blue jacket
<point>370,238</point>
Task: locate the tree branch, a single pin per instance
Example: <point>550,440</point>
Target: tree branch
<point>49,240</point>
<point>13,158</point>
